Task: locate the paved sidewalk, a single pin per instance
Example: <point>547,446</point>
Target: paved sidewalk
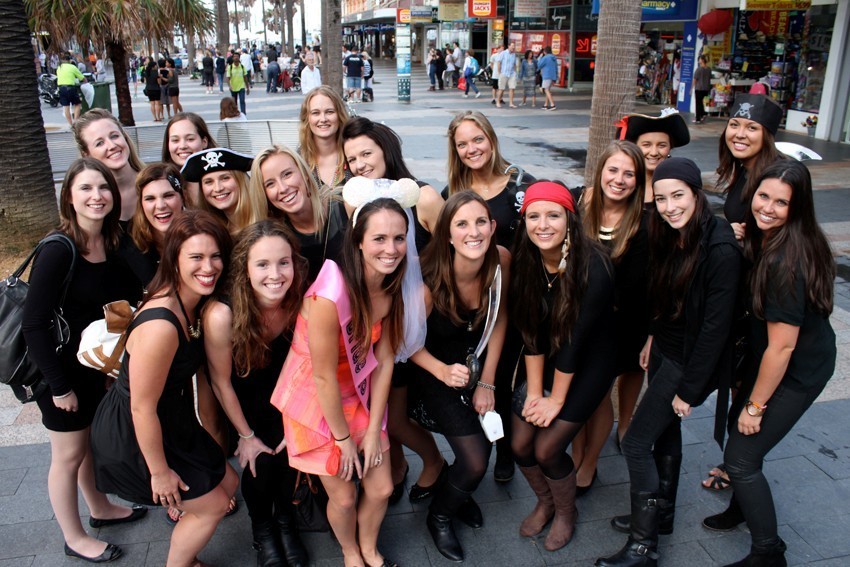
<point>809,471</point>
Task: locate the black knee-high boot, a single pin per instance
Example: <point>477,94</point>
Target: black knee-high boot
<point>668,486</point>
<point>293,548</point>
<point>445,505</point>
<point>267,544</point>
<point>641,549</point>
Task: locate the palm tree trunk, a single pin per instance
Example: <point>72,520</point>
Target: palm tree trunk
<point>290,43</point>
<point>303,23</point>
<point>332,44</point>
<point>613,82</point>
<point>222,26</point>
<point>117,53</point>
<point>27,196</point>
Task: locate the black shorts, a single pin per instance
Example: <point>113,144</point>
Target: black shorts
<point>494,83</point>
<point>153,94</point>
<point>173,91</point>
<point>69,95</point>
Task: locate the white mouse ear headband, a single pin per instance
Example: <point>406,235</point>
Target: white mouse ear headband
<point>359,191</point>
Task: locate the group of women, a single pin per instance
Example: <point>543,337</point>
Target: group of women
<point>325,329</point>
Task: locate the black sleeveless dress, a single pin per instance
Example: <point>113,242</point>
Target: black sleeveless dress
<point>119,465</point>
<point>434,405</point>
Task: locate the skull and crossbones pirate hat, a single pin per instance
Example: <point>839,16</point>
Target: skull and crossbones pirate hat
<point>758,108</point>
<point>214,159</point>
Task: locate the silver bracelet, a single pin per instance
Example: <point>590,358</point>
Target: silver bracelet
<point>246,436</point>
<point>486,386</point>
<point>63,396</point>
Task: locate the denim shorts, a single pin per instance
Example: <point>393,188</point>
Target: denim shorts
<point>353,82</point>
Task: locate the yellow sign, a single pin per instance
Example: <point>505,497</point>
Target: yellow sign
<point>403,16</point>
<point>498,24</point>
<point>778,4</point>
<point>556,44</point>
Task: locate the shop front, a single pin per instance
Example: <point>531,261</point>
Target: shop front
<point>373,30</point>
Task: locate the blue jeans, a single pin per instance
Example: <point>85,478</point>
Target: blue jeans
<point>239,97</point>
<point>432,74</point>
<point>470,83</point>
<point>272,72</point>
<point>220,82</point>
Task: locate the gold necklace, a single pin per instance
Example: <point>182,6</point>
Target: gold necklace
<point>549,282</point>
<point>194,332</point>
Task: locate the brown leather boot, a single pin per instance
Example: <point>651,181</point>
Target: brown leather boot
<point>543,511</point>
<point>564,496</point>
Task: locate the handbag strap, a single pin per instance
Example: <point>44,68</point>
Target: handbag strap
<point>66,283</point>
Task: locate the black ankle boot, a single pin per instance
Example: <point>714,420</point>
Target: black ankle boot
<point>774,556</point>
<point>668,486</point>
<point>293,548</point>
<point>641,549</point>
<point>267,544</point>
<point>445,505</point>
<point>727,520</point>
<point>470,514</point>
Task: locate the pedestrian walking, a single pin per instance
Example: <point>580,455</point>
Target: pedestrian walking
<point>528,78</point>
<point>236,76</point>
<point>67,78</point>
<point>702,86</point>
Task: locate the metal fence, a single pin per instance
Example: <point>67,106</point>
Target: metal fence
<point>249,137</point>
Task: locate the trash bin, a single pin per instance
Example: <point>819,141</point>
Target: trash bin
<point>101,97</point>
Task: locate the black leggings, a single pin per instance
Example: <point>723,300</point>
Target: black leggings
<point>544,446</point>
<point>270,493</point>
<point>472,455</point>
<point>655,427</point>
<point>745,454</point>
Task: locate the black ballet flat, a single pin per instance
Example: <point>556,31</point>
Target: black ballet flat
<point>137,513</point>
<point>418,493</point>
<point>111,553</point>
<point>398,489</point>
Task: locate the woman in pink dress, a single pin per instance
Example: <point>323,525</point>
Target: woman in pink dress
<point>335,382</point>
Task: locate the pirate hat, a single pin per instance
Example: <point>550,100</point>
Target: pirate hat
<point>632,126</point>
<point>758,108</point>
<point>214,159</point>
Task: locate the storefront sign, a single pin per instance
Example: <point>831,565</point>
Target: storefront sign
<point>536,42</point>
<point>585,45</point>
<point>421,15</point>
<point>403,16</point>
<point>452,11</point>
<point>529,8</point>
<point>482,8</point>
<point>668,10</point>
<point>556,44</point>
<point>689,44</point>
<point>778,4</point>
<point>770,23</point>
<point>499,25</point>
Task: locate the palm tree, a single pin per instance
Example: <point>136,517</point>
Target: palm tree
<point>27,198</point>
<point>222,26</point>
<point>289,15</point>
<point>114,24</point>
<point>332,44</point>
<point>613,83</point>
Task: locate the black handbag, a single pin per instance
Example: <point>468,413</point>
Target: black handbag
<point>310,502</point>
<point>16,368</point>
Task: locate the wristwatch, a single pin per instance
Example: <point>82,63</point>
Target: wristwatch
<point>754,409</point>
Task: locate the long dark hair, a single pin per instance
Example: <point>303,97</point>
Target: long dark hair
<point>141,231</point>
<point>385,138</point>
<point>250,349</point>
<point>355,279</point>
<point>729,169</point>
<point>68,224</point>
<point>199,124</point>
<point>528,282</point>
<point>673,257</point>
<point>184,227</point>
<point>438,261</point>
<point>798,245</point>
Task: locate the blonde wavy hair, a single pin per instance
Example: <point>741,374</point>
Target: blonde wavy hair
<point>307,144</point>
<point>460,176</point>
<point>250,208</point>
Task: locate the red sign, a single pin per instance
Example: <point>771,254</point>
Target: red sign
<point>481,8</point>
<point>402,16</point>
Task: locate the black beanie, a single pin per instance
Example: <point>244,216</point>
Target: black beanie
<point>679,168</point>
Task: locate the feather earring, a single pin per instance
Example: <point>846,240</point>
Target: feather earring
<point>565,251</point>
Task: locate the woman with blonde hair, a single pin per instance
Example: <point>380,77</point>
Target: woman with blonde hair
<point>323,115</point>
<point>223,176</point>
<point>612,214</point>
<point>99,135</point>
<point>318,218</point>
<point>248,333</point>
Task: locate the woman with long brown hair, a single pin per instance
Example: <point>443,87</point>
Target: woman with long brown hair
<point>99,135</point>
<point>185,134</point>
<point>335,382</point>
<point>613,215</point>
<point>323,115</point>
<point>248,333</point>
<point>459,267</point>
<point>565,318</point>
<point>149,447</point>
<point>89,207</point>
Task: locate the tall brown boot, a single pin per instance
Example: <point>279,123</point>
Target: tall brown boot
<point>564,496</point>
<point>543,511</point>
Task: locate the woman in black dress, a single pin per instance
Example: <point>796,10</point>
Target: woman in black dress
<point>318,218</point>
<point>373,150</point>
<point>477,164</point>
<point>459,268</point>
<point>791,297</point>
<point>247,338</point>
<point>694,266</point>
<point>89,206</point>
<point>148,447</point>
<point>566,318</point>
<point>612,214</point>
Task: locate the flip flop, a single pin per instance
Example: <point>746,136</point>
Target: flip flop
<point>717,481</point>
